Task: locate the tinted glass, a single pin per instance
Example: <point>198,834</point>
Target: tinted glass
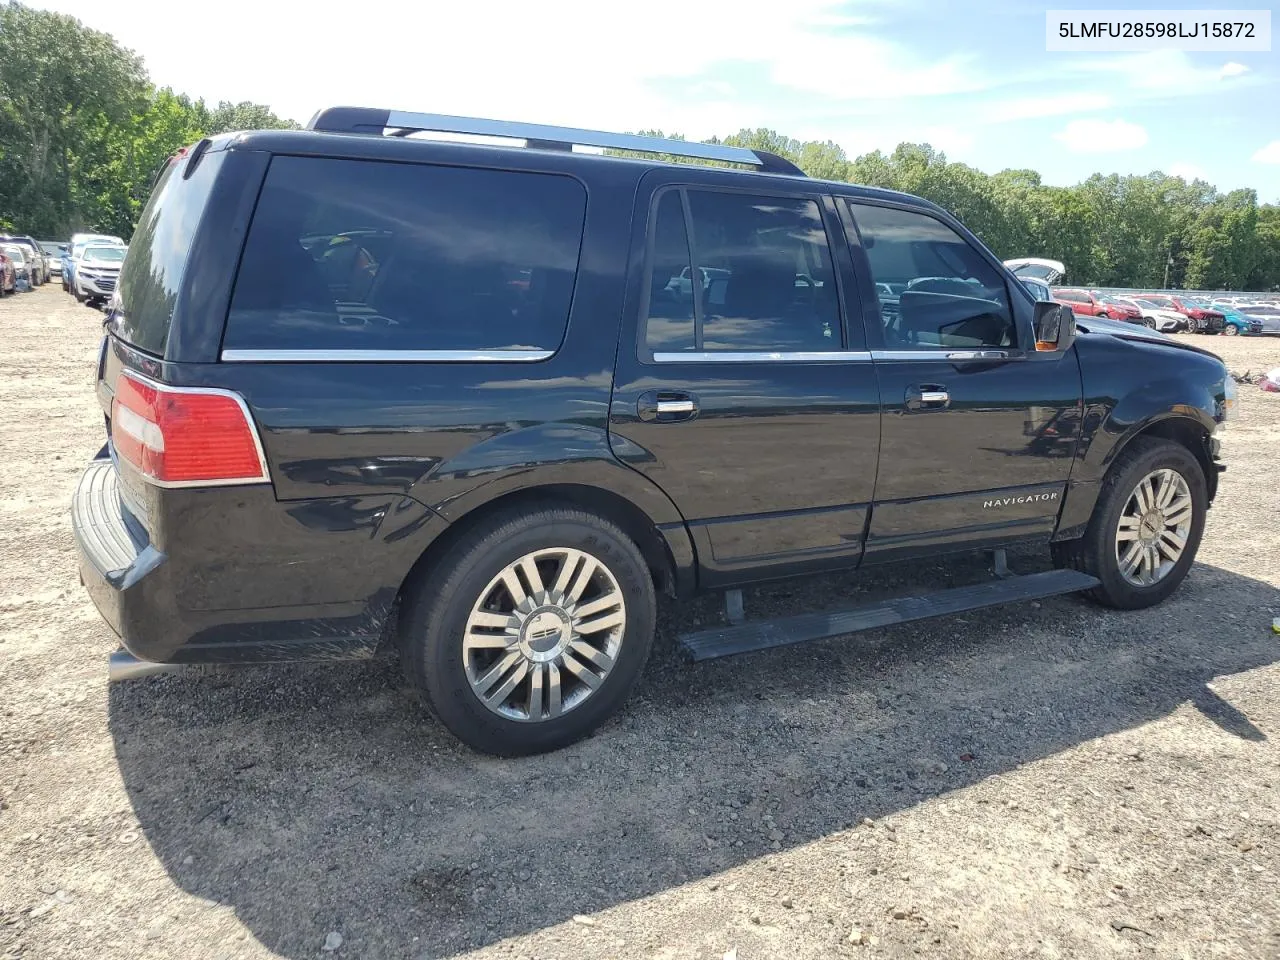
<point>157,254</point>
<point>366,255</point>
<point>767,274</point>
<point>669,325</point>
<point>946,293</point>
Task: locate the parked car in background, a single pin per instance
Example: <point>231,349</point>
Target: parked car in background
<point>1269,315</point>
<point>1118,309</point>
<point>1238,323</point>
<point>53,251</point>
<point>1082,302</point>
<point>21,268</point>
<point>1038,268</point>
<point>97,270</point>
<point>8,276</point>
<point>75,248</point>
<point>1200,319</point>
<point>37,268</point>
<point>1155,316</point>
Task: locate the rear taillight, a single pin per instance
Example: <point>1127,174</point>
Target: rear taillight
<point>185,436</point>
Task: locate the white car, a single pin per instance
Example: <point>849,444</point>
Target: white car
<point>1155,316</point>
<point>97,270</point>
<point>1038,268</point>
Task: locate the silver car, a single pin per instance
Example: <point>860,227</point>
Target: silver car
<point>1270,317</point>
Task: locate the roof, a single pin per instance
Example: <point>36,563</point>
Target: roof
<point>361,132</point>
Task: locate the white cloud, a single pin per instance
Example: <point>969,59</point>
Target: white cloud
<point>570,62</point>
<point>1158,73</point>
<point>1101,136</point>
<point>1268,154</point>
<point>1187,171</point>
<point>1029,108</point>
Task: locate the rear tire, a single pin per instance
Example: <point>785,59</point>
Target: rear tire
<point>486,664</point>
<point>1106,542</point>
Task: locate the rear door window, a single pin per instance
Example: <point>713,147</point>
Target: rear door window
<point>347,255</point>
<point>761,278</point>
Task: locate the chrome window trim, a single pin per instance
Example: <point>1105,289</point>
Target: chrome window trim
<point>741,356</point>
<point>385,356</point>
<point>944,355</point>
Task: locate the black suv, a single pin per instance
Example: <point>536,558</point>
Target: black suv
<point>480,404</point>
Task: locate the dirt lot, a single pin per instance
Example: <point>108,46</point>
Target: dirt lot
<point>1043,780</point>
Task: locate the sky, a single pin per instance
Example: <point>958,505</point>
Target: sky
<point>971,78</point>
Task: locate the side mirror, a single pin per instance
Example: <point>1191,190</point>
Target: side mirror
<point>1054,325</point>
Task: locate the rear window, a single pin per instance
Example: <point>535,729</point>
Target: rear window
<point>366,255</point>
<point>157,254</point>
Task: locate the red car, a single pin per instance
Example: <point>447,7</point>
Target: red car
<point>1200,319</point>
<point>1120,311</point>
<point>8,278</point>
<point>1082,302</point>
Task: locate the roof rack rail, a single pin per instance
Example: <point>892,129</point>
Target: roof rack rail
<point>401,124</point>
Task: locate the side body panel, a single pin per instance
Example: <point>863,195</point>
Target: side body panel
<point>1130,386</point>
<point>775,472</point>
<point>987,461</point>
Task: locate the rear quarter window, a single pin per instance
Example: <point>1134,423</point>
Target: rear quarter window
<point>157,255</point>
<point>366,255</point>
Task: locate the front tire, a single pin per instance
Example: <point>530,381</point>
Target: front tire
<point>1230,330</point>
<point>1146,526</point>
<point>531,630</point>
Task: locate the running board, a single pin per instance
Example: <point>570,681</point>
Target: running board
<point>762,634</point>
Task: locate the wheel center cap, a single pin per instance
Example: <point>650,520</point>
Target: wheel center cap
<point>1152,524</point>
<point>545,633</point>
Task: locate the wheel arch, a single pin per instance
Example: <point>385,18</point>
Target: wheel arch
<point>667,548</point>
<point>1187,431</point>
<point>1081,497</point>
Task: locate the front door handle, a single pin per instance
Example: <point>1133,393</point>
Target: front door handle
<point>928,396</point>
<point>666,406</point>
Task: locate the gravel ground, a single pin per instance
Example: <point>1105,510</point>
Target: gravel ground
<point>1041,780</point>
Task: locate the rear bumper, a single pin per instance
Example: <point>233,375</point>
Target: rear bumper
<point>242,577</point>
<point>118,565</point>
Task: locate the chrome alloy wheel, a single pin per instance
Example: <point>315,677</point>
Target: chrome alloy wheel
<point>1154,527</point>
<point>544,634</point>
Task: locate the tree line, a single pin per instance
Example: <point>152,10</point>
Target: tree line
<point>83,132</point>
<point>1110,230</point>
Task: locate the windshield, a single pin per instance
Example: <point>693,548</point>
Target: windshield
<point>1148,304</point>
<point>111,254</point>
<point>15,254</point>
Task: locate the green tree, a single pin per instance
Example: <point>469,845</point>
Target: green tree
<point>227,117</point>
<point>62,88</point>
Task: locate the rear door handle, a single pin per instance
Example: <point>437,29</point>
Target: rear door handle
<point>666,406</point>
<point>928,396</point>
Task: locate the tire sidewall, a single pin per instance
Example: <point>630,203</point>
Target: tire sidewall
<point>436,646</point>
<point>1107,566</point>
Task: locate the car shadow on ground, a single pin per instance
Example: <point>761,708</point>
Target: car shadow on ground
<point>318,799</point>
